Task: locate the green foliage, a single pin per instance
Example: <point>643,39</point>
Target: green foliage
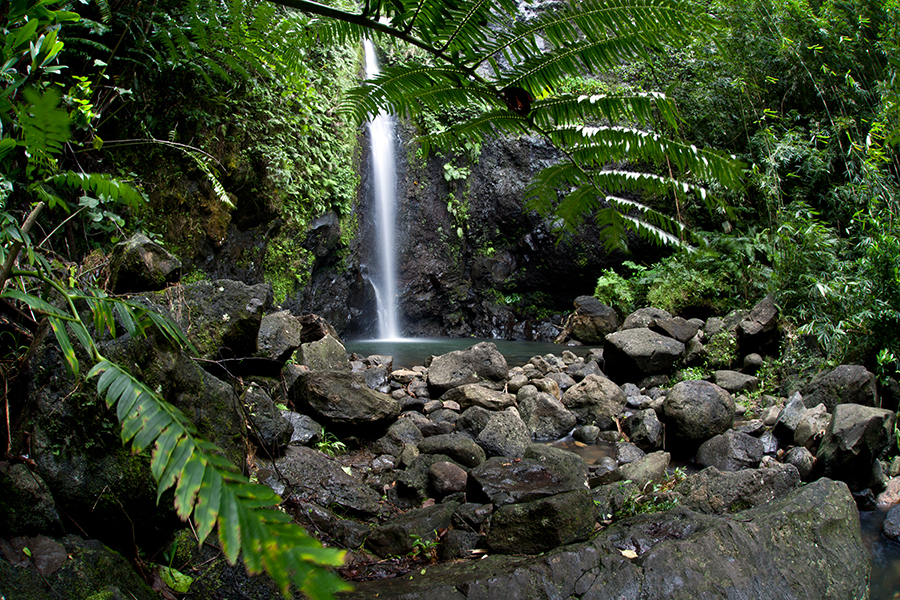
<point>690,374</point>
<point>462,68</point>
<point>615,291</point>
<point>721,350</point>
<point>331,445</point>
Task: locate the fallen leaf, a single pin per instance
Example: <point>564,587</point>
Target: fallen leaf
<point>629,554</point>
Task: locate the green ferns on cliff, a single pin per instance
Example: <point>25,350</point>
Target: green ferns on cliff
<point>484,54</point>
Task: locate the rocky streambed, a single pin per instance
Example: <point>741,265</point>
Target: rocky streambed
<point>437,479</point>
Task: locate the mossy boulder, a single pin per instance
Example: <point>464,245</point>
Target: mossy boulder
<point>140,265</point>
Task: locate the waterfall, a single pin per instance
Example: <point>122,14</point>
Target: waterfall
<point>384,178</point>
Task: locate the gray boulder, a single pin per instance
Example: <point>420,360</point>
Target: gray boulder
<point>324,354</point>
<point>543,524</point>
<point>591,321</point>
<point>279,335</point>
<point>801,458</point>
<point>269,429</point>
<point>545,416</point>
<point>580,370</point>
<point>682,555</point>
<point>731,451</point>
<point>140,265</point>
<point>633,353</point>
<point>461,448</point>
<point>310,476</point>
<point>595,401</point>
<point>505,434</point>
<point>306,431</point>
<point>760,325</point>
<point>713,491</point>
<point>695,411</point>
<point>342,399</point>
<point>676,328</point>
<point>735,382</point>
<point>646,470</point>
<point>477,395</point>
<point>644,429</point>
<point>891,525</point>
<point>789,418</point>
<point>475,364</point>
<point>473,420</point>
<point>501,481</point>
<point>397,536</point>
<point>855,438</point>
<point>811,427</point>
<point>558,460</point>
<point>26,503</point>
<point>850,384</point>
<point>402,431</point>
<point>645,318</point>
<point>447,478</point>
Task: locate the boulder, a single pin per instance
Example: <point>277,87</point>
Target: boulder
<point>789,418</point>
<point>760,326</point>
<point>850,384</point>
<point>644,429</point>
<point>473,420</point>
<point>735,382</point>
<point>221,318</point>
<point>633,353</point>
<point>505,434</point>
<point>558,460</point>
<point>801,458</point>
<point>695,411</point>
<point>855,438</point>
<point>402,431</point>
<point>595,400</point>
<point>713,491</point>
<point>416,480</point>
<point>461,448</point>
<point>478,363</point>
<point>279,336</point>
<point>544,415</point>
<point>447,478</point>
<point>805,545</point>
<point>477,395</point>
<point>580,370</point>
<point>324,354</point>
<point>645,318</point>
<point>141,265</point>
<point>591,321</point>
<point>268,428</point>
<point>342,399</point>
<point>731,451</point>
<point>501,481</point>
<point>398,536</point>
<point>891,525</point>
<point>676,328</point>
<point>646,470</point>
<point>310,476</point>
<point>543,524</point>
<point>26,503</point>
<point>306,431</point>
<point>811,427</point>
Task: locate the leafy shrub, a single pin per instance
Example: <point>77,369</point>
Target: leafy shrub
<point>615,291</point>
<point>721,350</point>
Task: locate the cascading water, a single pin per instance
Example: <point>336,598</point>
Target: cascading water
<point>384,178</point>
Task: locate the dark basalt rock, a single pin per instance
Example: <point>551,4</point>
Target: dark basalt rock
<point>397,536</point>
<point>509,481</point>
<point>343,399</point>
<point>140,265</point>
<point>846,384</point>
<point>541,525</point>
<point>475,364</point>
<point>633,353</point>
<point>695,411</point>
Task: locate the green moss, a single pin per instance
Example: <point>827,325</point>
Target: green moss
<point>287,266</point>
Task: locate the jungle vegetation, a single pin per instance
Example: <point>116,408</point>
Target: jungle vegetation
<point>757,138</point>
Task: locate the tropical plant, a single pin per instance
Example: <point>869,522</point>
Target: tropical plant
<point>209,489</point>
<point>484,55</point>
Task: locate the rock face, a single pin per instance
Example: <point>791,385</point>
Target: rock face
<point>695,411</point>
<point>480,362</point>
<point>541,525</point>
<point>325,354</point>
<point>856,436</point>
<point>140,265</point>
<point>680,555</point>
<point>343,399</point>
<point>279,335</point>
<point>632,353</point>
<point>544,415</point>
<point>715,492</point>
<point>504,482</point>
<point>731,451</point>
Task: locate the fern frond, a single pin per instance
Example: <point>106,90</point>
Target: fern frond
<point>100,184</point>
<point>477,129</point>
<point>214,492</point>
<point>643,108</point>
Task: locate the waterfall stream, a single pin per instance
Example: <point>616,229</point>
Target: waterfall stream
<point>384,178</point>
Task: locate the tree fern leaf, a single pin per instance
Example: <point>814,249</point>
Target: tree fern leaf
<point>65,345</point>
<point>162,450</point>
<point>188,485</point>
<point>154,421</point>
<point>229,527</point>
<point>209,499</point>
<point>183,450</point>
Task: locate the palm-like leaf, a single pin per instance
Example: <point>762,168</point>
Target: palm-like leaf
<point>478,50</point>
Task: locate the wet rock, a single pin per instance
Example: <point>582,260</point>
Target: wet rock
<point>324,354</point>
<point>591,321</point>
<point>544,416</point>
<point>816,531</point>
<point>505,434</point>
<point>563,381</point>
<point>586,434</point>
<point>595,401</point>
<point>504,481</point>
<point>855,438</point>
<point>603,472</point>
<point>472,515</point>
<point>461,448</point>
<point>801,458</point>
<point>477,395</point>
<point>716,492</point>
<point>279,336</point>
<point>447,478</point>
<point>812,426</point>
<point>415,481</point>
<point>310,476</point>
<point>633,353</point>
<point>397,536</point>
<point>789,417</point>
<point>473,420</point>
<point>543,524</point>
<point>269,428</point>
<point>343,399</point>
<point>626,452</point>
<point>644,429</point>
<point>140,265</point>
<point>26,503</point>
<point>458,544</point>
<point>402,431</point>
<point>480,362</point>
<point>87,569</point>
<point>731,451</point>
<point>695,411</point>
<point>570,465</point>
<point>850,384</point>
<point>377,379</point>
<point>891,525</point>
<point>735,382</point>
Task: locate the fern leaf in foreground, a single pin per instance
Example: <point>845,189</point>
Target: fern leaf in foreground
<point>215,493</point>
